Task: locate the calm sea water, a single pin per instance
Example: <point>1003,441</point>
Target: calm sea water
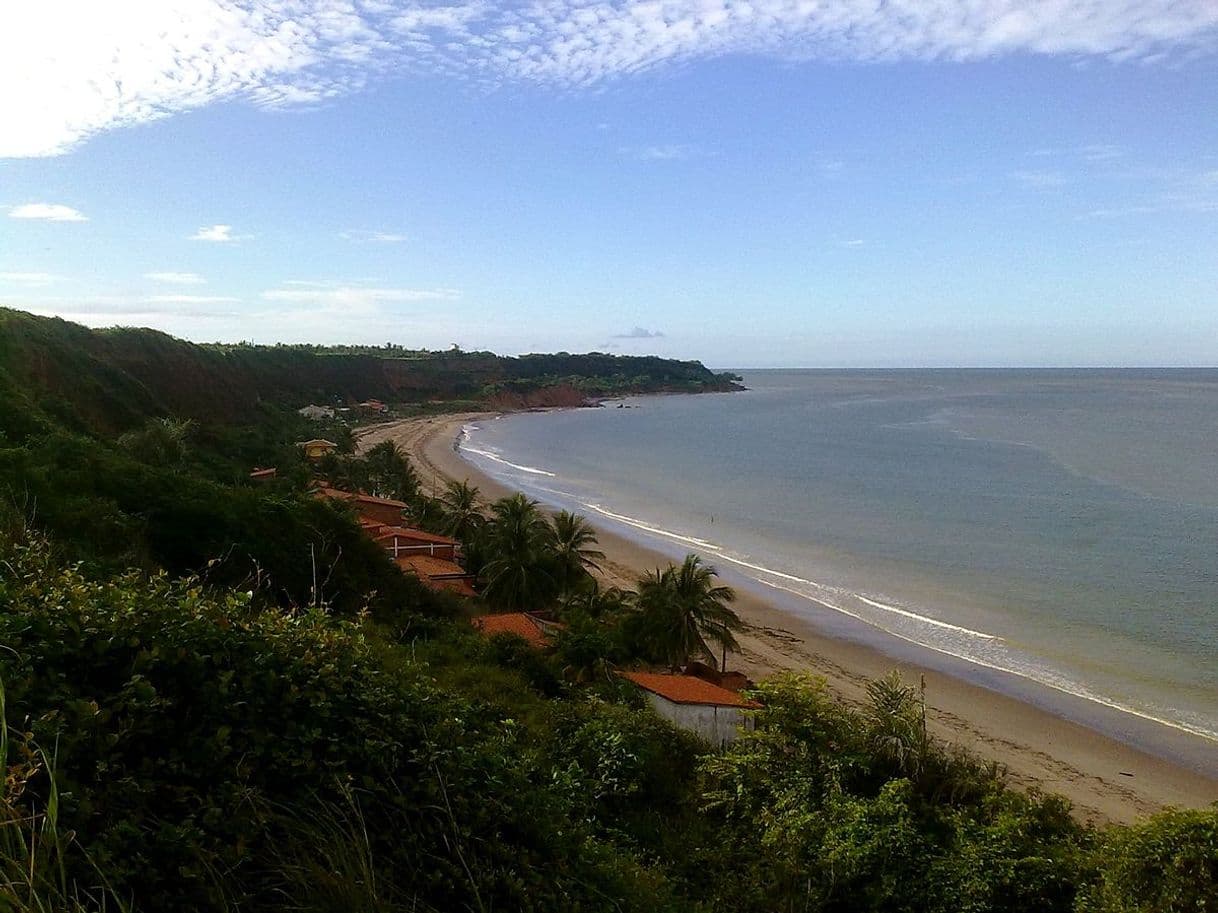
<point>1058,525</point>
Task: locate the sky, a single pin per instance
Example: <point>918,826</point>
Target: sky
<point>753,184</point>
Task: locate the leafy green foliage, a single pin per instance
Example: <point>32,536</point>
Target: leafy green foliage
<point>1168,864</point>
<point>116,511</point>
<point>829,820</point>
<point>196,733</point>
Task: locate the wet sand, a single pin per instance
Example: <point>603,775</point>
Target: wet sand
<point>1106,779</point>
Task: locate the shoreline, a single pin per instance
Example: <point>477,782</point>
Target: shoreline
<point>1106,778</point>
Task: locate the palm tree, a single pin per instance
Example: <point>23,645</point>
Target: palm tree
<point>574,550</point>
<point>683,611</point>
<point>462,511</point>
<point>388,473</point>
<point>596,603</point>
<point>896,718</point>
<point>519,548</point>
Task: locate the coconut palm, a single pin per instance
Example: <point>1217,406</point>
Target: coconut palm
<point>574,550</point>
<point>896,718</point>
<point>462,509</point>
<point>683,611</point>
<point>519,549</point>
<point>388,473</point>
<point>593,602</point>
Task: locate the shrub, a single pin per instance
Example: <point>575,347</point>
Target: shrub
<point>195,731</point>
<point>1168,864</point>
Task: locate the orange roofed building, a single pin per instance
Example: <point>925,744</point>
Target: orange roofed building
<point>381,510</point>
<point>438,573</point>
<point>716,714</point>
<point>536,631</point>
<point>402,541</point>
<point>427,556</point>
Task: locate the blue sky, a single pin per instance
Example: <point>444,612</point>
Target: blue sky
<point>762,184</point>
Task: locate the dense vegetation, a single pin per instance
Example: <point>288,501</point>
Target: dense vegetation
<point>219,696</point>
<point>113,380</point>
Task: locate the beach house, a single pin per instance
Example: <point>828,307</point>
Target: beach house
<point>405,541</point>
<point>317,448</point>
<point>438,574</point>
<point>385,511</point>
<point>711,712</point>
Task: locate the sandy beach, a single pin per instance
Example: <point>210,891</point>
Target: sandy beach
<point>1106,779</point>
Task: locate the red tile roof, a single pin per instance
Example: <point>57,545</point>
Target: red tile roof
<point>324,491</point>
<point>686,689</point>
<point>460,586</point>
<point>519,623</point>
<point>408,532</point>
<point>335,494</point>
<point>372,499</point>
<point>427,566</point>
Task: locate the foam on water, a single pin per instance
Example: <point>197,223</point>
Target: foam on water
<point>646,527</point>
<point>463,444</point>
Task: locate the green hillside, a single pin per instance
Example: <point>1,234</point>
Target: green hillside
<point>111,380</point>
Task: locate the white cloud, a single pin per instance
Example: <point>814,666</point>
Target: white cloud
<point>49,212</point>
<point>333,295</point>
<point>854,242</point>
<point>66,77</point>
<point>176,278</point>
<point>217,233</point>
<point>191,299</point>
<point>374,237</point>
<point>28,279</point>
<point>639,333</point>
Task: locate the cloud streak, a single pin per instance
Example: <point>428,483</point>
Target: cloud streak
<point>176,278</point>
<point>218,234</point>
<point>28,280</point>
<point>359,297</point>
<point>191,299</point>
<point>639,333</point>
<point>47,212</point>
<point>111,65</point>
<point>373,237</point>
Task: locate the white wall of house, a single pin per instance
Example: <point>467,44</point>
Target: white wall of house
<point>717,725</point>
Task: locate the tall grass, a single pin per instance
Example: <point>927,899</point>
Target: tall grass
<point>34,848</point>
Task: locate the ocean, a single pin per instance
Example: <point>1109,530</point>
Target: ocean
<point>1057,526</point>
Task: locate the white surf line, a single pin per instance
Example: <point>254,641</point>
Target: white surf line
<point>928,620</point>
<point>498,459</point>
<point>1078,691</point>
<point>879,605</point>
<point>646,527</point>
